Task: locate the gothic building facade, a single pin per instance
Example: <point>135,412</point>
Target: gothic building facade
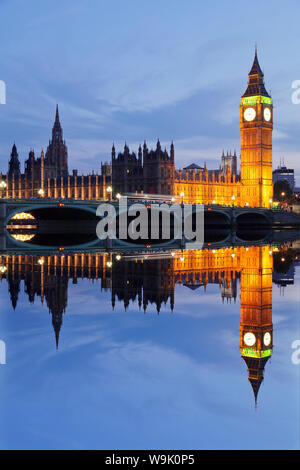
<point>154,172</point>
<point>48,174</point>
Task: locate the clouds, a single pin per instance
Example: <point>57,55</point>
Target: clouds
<point>135,72</point>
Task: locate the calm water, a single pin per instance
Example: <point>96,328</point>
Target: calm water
<point>140,352</point>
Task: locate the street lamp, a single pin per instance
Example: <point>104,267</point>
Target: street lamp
<point>118,196</point>
<point>41,192</point>
<point>3,186</point>
<point>3,269</point>
<point>233,199</point>
<point>182,196</point>
<point>109,191</point>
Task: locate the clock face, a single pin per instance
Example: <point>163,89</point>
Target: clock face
<point>249,339</point>
<point>267,339</point>
<point>267,114</point>
<point>249,114</point>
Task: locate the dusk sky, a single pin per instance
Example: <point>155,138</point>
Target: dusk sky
<point>141,70</point>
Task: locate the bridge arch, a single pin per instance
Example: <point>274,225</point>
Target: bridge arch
<point>252,219</point>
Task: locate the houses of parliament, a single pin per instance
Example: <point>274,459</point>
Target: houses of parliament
<point>153,171</point>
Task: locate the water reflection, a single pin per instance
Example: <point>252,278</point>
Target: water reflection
<point>150,279</point>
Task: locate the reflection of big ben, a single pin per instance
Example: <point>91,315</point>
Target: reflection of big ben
<point>256,125</point>
<point>256,329</point>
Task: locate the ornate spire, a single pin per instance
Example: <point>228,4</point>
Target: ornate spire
<point>57,129</point>
<point>256,373</point>
<point>256,84</point>
<point>57,116</point>
<point>14,163</point>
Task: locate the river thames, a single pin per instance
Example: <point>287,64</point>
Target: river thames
<point>152,350</point>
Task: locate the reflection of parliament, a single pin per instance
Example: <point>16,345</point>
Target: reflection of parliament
<point>153,171</point>
<point>152,282</point>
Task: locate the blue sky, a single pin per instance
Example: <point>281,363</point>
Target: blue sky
<point>142,70</point>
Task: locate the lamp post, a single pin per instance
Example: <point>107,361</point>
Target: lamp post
<point>233,199</point>
<point>182,196</point>
<point>109,191</point>
<point>41,192</point>
<point>3,186</point>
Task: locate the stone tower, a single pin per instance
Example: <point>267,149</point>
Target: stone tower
<point>256,125</point>
<point>14,163</point>
<point>56,158</point>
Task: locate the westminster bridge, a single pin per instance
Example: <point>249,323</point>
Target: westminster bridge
<point>79,220</point>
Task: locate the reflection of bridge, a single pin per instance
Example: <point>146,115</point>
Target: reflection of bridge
<point>74,211</point>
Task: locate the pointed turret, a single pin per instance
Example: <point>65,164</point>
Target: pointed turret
<point>172,151</point>
<point>14,163</point>
<point>113,151</point>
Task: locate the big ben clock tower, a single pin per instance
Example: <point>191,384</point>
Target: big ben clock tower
<point>256,125</point>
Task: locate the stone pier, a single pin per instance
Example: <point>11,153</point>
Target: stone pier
<point>2,226</point>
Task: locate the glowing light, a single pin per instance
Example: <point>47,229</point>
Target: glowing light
<point>249,339</point>
<point>118,196</point>
<point>181,258</point>
<point>214,202</point>
<point>109,264</point>
<point>233,255</point>
<point>22,216</point>
<point>41,192</point>
<point>256,99</point>
<point>270,252</point>
<point>109,189</point>
<point>255,353</point>
<point>21,237</point>
<point>282,259</point>
<point>247,204</point>
<point>118,257</point>
<point>3,185</point>
<point>41,261</point>
<point>3,269</point>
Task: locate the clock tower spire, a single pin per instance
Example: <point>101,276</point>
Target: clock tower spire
<point>256,126</point>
